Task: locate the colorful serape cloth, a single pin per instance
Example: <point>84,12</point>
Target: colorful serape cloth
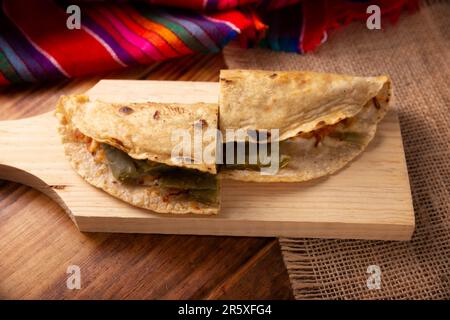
<point>37,45</point>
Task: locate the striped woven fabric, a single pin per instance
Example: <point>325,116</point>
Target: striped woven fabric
<point>36,45</point>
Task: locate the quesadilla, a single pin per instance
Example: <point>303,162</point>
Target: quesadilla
<point>323,120</point>
<point>127,150</point>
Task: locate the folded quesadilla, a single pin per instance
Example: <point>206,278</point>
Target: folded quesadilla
<point>127,150</point>
<point>323,120</point>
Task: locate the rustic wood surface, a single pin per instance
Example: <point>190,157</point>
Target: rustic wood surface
<point>353,203</point>
<point>39,241</point>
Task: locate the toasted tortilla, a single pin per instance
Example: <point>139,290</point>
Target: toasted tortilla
<point>142,130</point>
<point>99,174</point>
<point>309,160</point>
<point>292,101</point>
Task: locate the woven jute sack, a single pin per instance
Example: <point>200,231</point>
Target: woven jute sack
<point>416,54</point>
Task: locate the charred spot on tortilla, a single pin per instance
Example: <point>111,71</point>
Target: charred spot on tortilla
<point>118,143</point>
<point>273,75</point>
<point>199,124</point>
<point>376,103</point>
<point>156,115</point>
<point>126,110</point>
<point>321,123</point>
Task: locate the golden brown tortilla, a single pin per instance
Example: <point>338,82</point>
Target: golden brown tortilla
<point>143,130</point>
<point>309,160</point>
<point>98,173</point>
<point>301,102</point>
<point>292,101</point>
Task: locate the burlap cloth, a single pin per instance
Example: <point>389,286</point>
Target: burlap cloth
<point>416,53</point>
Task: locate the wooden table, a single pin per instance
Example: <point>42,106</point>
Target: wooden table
<point>39,241</point>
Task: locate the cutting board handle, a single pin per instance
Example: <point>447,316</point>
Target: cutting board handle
<point>19,138</point>
<point>22,155</point>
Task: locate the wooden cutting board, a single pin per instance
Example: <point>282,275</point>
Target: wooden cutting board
<point>369,199</point>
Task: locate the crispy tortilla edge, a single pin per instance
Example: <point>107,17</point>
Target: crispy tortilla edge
<point>384,97</point>
<point>100,176</point>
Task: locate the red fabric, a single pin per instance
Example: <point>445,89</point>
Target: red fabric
<point>314,26</point>
<point>164,47</point>
<point>46,32</point>
<point>3,80</point>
